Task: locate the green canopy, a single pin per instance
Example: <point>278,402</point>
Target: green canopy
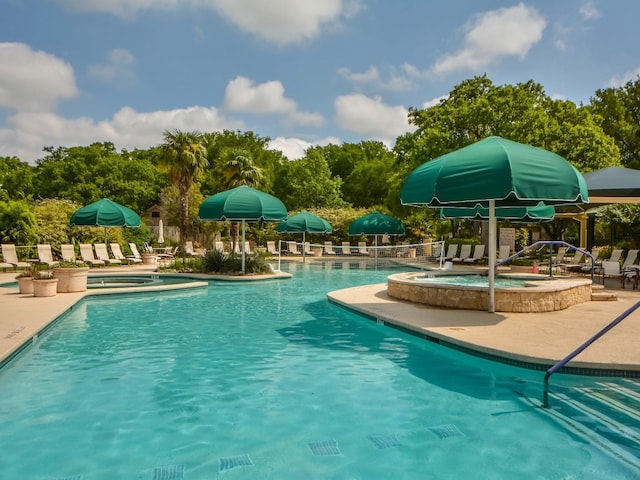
<point>510,173</point>
<point>539,213</point>
<point>304,222</point>
<point>495,172</point>
<point>376,223</point>
<point>105,213</point>
<point>242,204</point>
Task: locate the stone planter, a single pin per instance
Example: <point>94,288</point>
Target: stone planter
<point>71,279</point>
<point>148,259</point>
<point>317,252</point>
<point>25,284</point>
<point>45,287</point>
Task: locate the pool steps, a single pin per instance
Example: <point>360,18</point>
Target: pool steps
<point>606,414</point>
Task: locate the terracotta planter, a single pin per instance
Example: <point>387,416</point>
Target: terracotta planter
<point>71,279</point>
<point>148,259</point>
<point>25,284</point>
<point>45,287</point>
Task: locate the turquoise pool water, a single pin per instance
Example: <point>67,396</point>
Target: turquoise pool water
<point>473,280</point>
<point>268,380</point>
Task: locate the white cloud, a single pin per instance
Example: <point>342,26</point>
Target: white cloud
<point>25,134</point>
<point>434,101</point>
<point>33,81</point>
<point>242,95</point>
<point>506,32</point>
<point>588,11</point>
<point>371,117</point>
<point>295,148</point>
<point>372,76</point>
<point>120,63</point>
<point>281,22</point>
<point>620,80</point>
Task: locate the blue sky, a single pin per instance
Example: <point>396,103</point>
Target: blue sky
<point>301,72</point>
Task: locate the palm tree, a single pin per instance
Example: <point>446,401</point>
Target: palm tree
<point>184,157</point>
<point>238,169</point>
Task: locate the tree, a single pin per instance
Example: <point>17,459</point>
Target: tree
<point>619,111</point>
<point>16,178</point>
<point>17,223</point>
<point>184,158</point>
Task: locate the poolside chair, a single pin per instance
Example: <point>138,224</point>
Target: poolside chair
<point>465,252</point>
<point>10,256</point>
<point>45,256</point>
<point>271,247</point>
<point>68,254</point>
<point>103,254</point>
<point>307,248</point>
<point>147,248</point>
<point>118,255</point>
<point>292,248</point>
<point>597,263</point>
<point>362,248</point>
<point>478,254</point>
<point>135,254</point>
<point>438,251</point>
<point>168,253</point>
<point>328,248</point>
<point>576,263</point>
<point>616,254</point>
<point>346,248</point>
<point>452,251</point>
<point>629,267</point>
<point>190,251</point>
<point>247,247</point>
<point>503,252</point>
<point>612,270</point>
<point>87,255</point>
<point>219,246</point>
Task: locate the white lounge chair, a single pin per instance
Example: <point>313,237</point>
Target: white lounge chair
<point>118,255</point>
<point>292,247</point>
<point>135,254</point>
<point>465,252</point>
<point>307,248</point>
<point>45,256</point>
<point>87,255</point>
<point>219,246</point>
<point>346,248</point>
<point>328,248</point>
<point>68,254</point>
<point>452,251</point>
<point>10,256</point>
<point>478,254</point>
<point>616,254</point>
<point>576,262</point>
<point>103,254</point>
<point>503,252</point>
<point>190,251</point>
<point>611,270</point>
<point>362,248</point>
<point>271,247</point>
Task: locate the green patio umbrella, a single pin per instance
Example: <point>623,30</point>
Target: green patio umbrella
<point>491,173</point>
<point>539,213</point>
<point>304,222</point>
<point>376,223</point>
<point>104,213</point>
<point>242,204</point>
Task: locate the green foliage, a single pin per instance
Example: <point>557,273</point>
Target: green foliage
<point>17,223</point>
<point>224,263</point>
<point>16,179</point>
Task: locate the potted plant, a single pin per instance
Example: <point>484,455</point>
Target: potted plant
<point>72,277</point>
<point>45,284</point>
<point>25,278</point>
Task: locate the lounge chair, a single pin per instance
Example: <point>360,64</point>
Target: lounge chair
<point>629,267</point>
<point>247,247</point>
<point>118,255</point>
<point>271,247</point>
<point>503,252</point>
<point>167,253</point>
<point>219,246</point>
<point>452,251</point>
<point>87,255</point>
<point>362,248</point>
<point>595,253</point>
<point>103,254</point>
<point>328,248</point>
<point>135,254</point>
<point>346,248</point>
<point>10,256</point>
<point>576,263</point>
<point>612,270</point>
<point>437,253</point>
<point>147,248</point>
<point>478,254</point>
<point>292,247</point>
<point>45,256</point>
<point>465,252</point>
<point>307,248</point>
<point>190,251</point>
<point>616,254</point>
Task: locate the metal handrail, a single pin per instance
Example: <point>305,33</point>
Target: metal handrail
<point>549,243</point>
<point>581,348</point>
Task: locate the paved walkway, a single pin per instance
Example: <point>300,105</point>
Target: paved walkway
<point>540,338</point>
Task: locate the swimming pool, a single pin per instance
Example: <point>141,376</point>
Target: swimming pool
<point>269,380</point>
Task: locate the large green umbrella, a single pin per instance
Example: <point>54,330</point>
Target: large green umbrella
<point>304,222</point>
<point>242,204</point>
<point>539,213</point>
<point>495,172</point>
<point>104,213</point>
<point>376,223</point>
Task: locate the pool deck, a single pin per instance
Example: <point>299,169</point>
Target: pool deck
<point>532,338</point>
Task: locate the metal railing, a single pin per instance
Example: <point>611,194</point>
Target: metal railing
<point>581,348</point>
<point>548,244</point>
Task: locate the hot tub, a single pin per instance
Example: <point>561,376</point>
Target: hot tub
<point>471,292</point>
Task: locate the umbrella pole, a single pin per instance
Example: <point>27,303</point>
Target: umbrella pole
<point>243,246</point>
<point>492,254</point>
<point>304,248</point>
